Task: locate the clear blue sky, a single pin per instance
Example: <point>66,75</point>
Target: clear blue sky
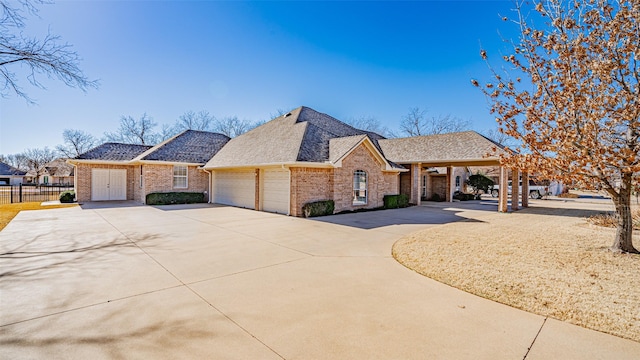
<point>247,59</point>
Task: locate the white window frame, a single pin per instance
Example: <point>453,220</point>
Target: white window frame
<point>180,176</point>
<point>358,185</point>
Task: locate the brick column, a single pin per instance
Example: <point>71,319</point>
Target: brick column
<point>515,189</point>
<point>525,189</point>
<point>503,190</point>
<point>415,184</point>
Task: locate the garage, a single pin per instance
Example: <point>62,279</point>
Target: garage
<point>236,188</point>
<point>275,191</point>
<point>108,184</point>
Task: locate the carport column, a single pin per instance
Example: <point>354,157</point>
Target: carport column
<point>415,184</point>
<point>451,186</point>
<point>419,184</point>
<point>258,186</point>
<point>515,189</point>
<point>503,190</point>
<point>525,189</point>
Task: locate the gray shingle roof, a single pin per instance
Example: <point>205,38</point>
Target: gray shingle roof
<point>458,146</point>
<point>114,152</point>
<point>190,146</point>
<point>6,169</point>
<point>300,135</point>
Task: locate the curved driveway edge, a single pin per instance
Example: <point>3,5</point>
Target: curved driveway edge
<point>206,281</point>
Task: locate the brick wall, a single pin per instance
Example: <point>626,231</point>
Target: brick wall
<point>309,184</point>
<point>378,183</point>
<point>159,178</point>
<point>83,180</point>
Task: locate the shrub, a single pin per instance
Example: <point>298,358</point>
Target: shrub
<point>395,201</point>
<point>480,182</point>
<point>318,208</point>
<point>436,197</point>
<point>67,196</point>
<point>175,198</point>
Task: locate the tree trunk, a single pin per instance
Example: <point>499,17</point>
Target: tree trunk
<point>624,230</point>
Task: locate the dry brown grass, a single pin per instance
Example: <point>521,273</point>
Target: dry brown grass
<point>9,211</point>
<point>609,219</point>
<point>546,261</point>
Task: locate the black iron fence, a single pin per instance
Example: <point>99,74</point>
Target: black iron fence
<point>30,192</point>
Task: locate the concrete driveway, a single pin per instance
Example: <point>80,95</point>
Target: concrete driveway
<point>123,281</point>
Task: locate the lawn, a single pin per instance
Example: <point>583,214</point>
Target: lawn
<point>9,211</point>
<point>549,261</point>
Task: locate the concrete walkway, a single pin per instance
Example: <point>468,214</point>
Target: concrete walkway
<point>116,280</point>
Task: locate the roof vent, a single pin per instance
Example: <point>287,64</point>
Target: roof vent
<point>287,114</point>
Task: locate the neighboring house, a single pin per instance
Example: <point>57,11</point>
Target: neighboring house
<point>300,157</point>
<point>10,175</point>
<point>115,171</point>
<point>56,172</point>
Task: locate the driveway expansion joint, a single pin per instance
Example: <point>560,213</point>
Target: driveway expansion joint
<point>535,338</point>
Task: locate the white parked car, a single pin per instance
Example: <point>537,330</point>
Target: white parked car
<point>535,191</point>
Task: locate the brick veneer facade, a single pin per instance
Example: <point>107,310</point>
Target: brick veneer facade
<point>313,184</point>
<point>83,180</point>
<point>155,178</point>
<point>159,178</point>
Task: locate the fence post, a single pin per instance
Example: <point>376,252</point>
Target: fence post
<point>11,193</point>
<point>20,193</point>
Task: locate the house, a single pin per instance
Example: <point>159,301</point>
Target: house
<point>300,157</point>
<point>56,172</point>
<point>114,171</point>
<point>10,175</point>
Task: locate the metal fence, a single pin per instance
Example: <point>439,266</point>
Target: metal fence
<point>10,194</point>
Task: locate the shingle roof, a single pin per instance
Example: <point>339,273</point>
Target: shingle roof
<point>300,135</point>
<point>190,146</point>
<point>114,152</point>
<point>460,146</point>
<point>338,147</point>
<point>6,169</point>
<point>59,167</point>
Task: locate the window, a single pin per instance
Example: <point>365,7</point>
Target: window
<point>359,187</point>
<point>458,183</point>
<point>179,177</point>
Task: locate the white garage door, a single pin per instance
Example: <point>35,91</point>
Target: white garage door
<point>237,188</point>
<point>275,193</point>
<point>108,184</point>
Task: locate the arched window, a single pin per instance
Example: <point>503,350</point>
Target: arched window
<point>359,187</point>
<point>457,182</point>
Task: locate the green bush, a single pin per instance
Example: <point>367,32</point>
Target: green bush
<point>318,208</point>
<point>480,182</point>
<point>175,198</point>
<point>67,196</point>
<point>436,197</point>
<point>395,201</point>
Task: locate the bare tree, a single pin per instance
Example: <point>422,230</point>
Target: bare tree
<point>18,161</point>
<point>577,116</point>
<point>76,142</point>
<point>370,123</point>
<point>44,56</point>
<point>416,123</point>
<point>500,137</point>
<point>37,158</point>
<point>232,126</point>
<point>195,121</point>
<point>135,131</point>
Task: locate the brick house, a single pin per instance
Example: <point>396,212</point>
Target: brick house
<point>300,157</point>
<point>114,171</point>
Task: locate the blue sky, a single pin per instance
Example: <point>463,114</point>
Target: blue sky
<point>248,59</point>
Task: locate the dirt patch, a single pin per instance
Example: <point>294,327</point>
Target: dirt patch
<point>547,261</point>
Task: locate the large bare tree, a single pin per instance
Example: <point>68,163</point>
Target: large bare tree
<point>37,158</point>
<point>417,123</point>
<point>45,56</point>
<point>570,94</point>
<point>370,123</point>
<point>76,142</point>
<point>232,126</point>
<point>195,121</point>
<point>135,131</point>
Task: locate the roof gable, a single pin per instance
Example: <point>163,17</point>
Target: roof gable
<point>113,152</point>
<point>190,146</point>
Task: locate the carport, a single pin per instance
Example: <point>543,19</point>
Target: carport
<point>452,150</point>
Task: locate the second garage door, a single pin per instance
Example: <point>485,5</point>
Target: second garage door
<point>275,191</point>
<point>235,188</point>
<point>108,184</point>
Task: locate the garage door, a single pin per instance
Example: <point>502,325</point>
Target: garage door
<point>108,184</point>
<point>275,191</point>
<point>237,188</point>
